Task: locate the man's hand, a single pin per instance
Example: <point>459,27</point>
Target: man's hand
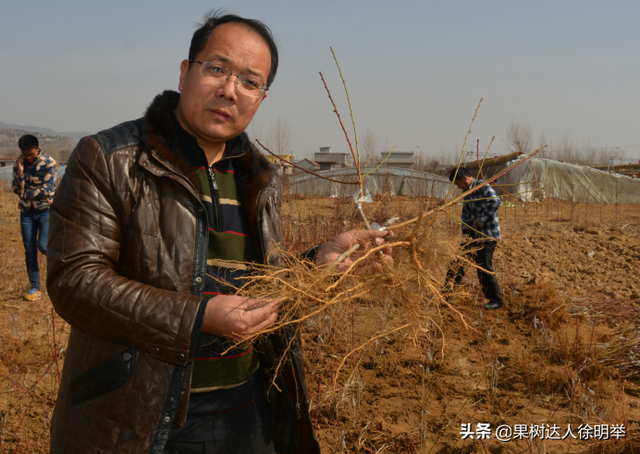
<point>20,165</point>
<point>337,245</point>
<point>477,224</point>
<point>237,317</point>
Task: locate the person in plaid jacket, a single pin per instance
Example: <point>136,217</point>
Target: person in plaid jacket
<point>34,183</point>
<point>481,229</point>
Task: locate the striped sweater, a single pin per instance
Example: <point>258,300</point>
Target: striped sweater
<point>226,396</point>
<point>229,248</point>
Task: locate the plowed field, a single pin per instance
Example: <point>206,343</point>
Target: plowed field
<point>556,370</point>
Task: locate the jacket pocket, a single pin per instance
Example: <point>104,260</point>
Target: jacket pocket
<point>106,376</point>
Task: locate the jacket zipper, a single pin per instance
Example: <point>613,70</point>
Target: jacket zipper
<point>213,178</point>
<point>214,198</point>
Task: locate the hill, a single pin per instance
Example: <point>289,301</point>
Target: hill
<point>75,136</point>
<point>57,146</point>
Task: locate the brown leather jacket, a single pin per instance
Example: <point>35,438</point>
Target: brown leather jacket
<point>126,266</point>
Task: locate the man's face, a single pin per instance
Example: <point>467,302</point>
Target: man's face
<point>31,155</point>
<point>215,113</point>
<point>464,183</point>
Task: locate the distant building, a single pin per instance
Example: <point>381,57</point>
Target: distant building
<point>309,165</point>
<point>403,159</point>
<point>283,168</point>
<point>6,162</point>
<point>329,160</point>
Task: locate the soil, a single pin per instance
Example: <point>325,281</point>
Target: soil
<point>563,354</point>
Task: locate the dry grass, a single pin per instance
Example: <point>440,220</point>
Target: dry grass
<point>32,344</point>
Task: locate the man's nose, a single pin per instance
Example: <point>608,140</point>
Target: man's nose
<point>230,87</point>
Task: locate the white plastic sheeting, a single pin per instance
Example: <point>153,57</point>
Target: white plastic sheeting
<point>537,179</point>
<point>390,180</point>
<point>385,180</point>
<point>534,179</point>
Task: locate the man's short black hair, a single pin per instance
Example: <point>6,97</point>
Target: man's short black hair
<point>28,143</point>
<point>458,173</point>
<point>215,18</point>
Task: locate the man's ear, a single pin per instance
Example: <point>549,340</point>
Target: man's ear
<point>184,69</point>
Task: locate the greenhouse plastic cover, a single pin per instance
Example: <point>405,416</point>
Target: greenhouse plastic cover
<point>533,179</point>
<point>537,179</point>
<point>385,180</point>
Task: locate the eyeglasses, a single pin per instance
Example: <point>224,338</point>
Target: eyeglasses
<point>220,74</point>
<point>31,155</point>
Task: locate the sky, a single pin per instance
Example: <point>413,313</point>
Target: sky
<point>415,70</point>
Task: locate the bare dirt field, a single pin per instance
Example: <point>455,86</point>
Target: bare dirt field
<point>557,370</point>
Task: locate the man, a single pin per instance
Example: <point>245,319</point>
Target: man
<point>149,229</point>
<point>481,229</point>
<point>34,182</point>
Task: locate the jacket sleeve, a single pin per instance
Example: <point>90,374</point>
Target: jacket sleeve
<point>17,183</point>
<point>86,241</point>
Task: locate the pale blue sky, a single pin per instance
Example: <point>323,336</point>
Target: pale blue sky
<point>416,70</point>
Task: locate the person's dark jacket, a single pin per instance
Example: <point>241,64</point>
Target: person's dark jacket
<point>126,266</point>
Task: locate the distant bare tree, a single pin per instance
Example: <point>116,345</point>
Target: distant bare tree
<point>448,156</point>
<point>279,137</point>
<point>256,132</point>
<point>565,150</point>
<point>519,137</point>
<point>60,154</point>
<point>425,163</point>
<point>276,138</point>
<point>542,141</point>
<point>371,146</point>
